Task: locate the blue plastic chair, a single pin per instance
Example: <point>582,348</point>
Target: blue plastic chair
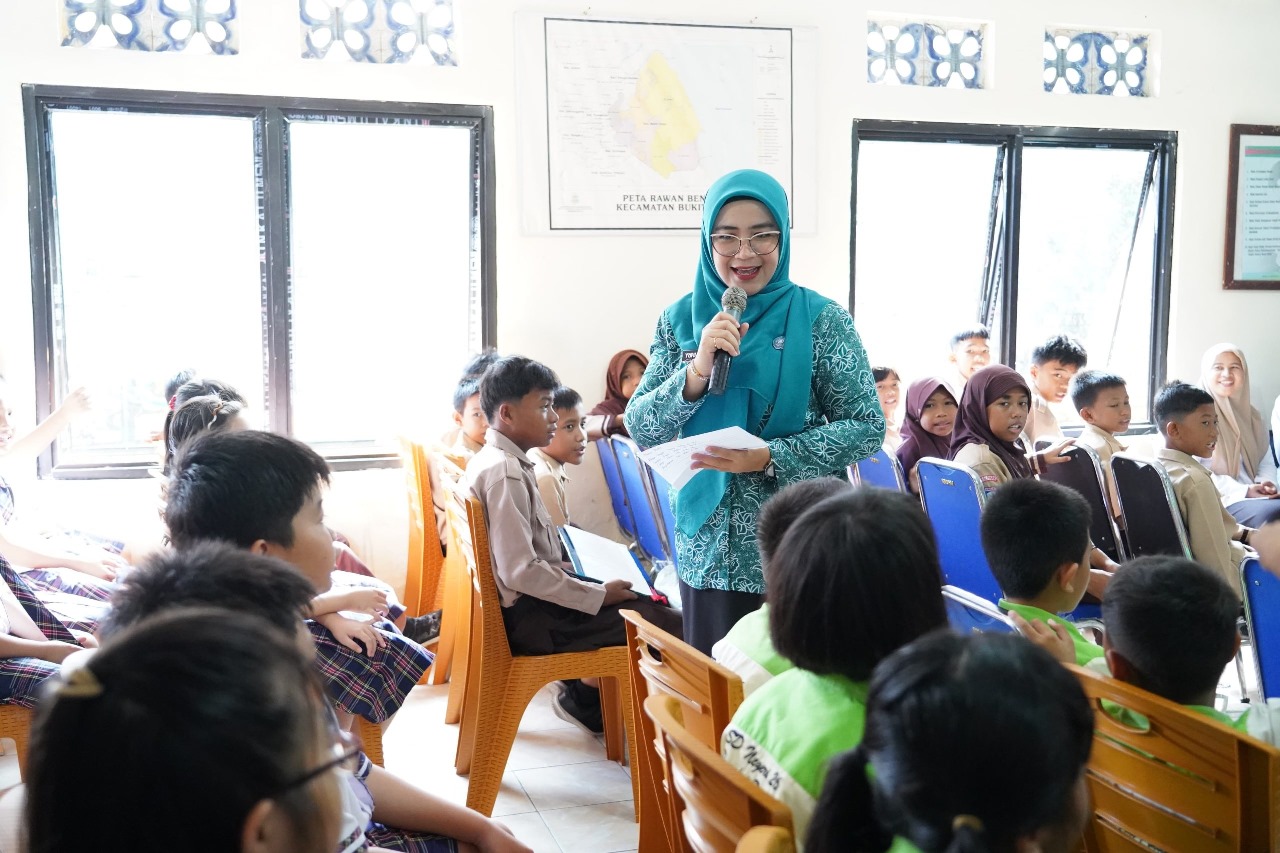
<point>1262,615</point>
<point>880,469</point>
<point>617,492</point>
<point>1152,519</point>
<point>662,495</point>
<point>953,497</point>
<point>969,614</point>
<point>635,482</point>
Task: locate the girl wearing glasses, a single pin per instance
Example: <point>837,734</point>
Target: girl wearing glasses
<point>799,379</point>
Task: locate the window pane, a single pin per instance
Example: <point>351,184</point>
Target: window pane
<point>1078,209</point>
<point>384,304</point>
<point>157,230</point>
<point>921,246</point>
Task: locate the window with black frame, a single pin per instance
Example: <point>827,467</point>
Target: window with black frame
<point>1030,231</point>
<point>332,260</point>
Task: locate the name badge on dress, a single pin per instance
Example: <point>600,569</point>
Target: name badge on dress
<point>687,356</point>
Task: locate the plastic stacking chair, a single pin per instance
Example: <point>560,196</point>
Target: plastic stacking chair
<point>971,614</point>
<point>662,495</point>
<point>709,694</point>
<point>953,497</point>
<point>370,740</point>
<point>1150,510</point>
<point>454,647</point>
<point>426,557</point>
<point>879,469</point>
<point>1262,615</point>
<point>1183,782</point>
<point>644,505</point>
<point>712,803</point>
<point>767,839</point>
<point>617,492</point>
<point>500,685</point>
<point>15,724</point>
<point>1083,473</point>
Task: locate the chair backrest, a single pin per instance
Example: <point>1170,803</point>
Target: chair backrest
<point>644,507</point>
<point>879,469</point>
<point>1083,473</point>
<point>953,497</point>
<point>971,614</point>
<point>466,517</point>
<point>662,495</point>
<point>1152,519</point>
<point>617,492</point>
<point>1181,782</point>
<point>767,839</point>
<point>714,805</point>
<point>1262,613</point>
<point>414,476</point>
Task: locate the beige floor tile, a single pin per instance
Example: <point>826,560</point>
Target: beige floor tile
<point>531,830</point>
<point>553,747</point>
<point>539,716</point>
<point>575,785</point>
<point>606,828</point>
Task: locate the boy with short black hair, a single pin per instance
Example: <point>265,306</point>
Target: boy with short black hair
<point>567,448</point>
<point>1035,534</point>
<point>1102,400</point>
<point>1186,417</point>
<point>748,649</point>
<point>1053,363</point>
<point>1171,629</point>
<point>546,607</point>
<point>464,440</point>
<point>970,352</point>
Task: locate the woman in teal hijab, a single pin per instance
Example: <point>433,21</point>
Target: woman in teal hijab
<point>799,379</point>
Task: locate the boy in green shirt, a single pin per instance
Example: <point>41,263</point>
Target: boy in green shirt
<point>1036,537</point>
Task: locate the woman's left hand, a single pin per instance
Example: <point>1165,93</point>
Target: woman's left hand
<point>732,461</point>
<point>1265,489</point>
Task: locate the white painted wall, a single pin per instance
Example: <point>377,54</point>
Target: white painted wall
<point>1215,69</point>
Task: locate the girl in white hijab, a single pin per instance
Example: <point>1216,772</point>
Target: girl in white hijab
<point>1243,464</point>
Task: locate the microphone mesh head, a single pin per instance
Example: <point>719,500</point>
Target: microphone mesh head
<point>734,299</point>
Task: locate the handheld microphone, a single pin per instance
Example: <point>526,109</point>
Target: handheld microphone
<point>733,303</point>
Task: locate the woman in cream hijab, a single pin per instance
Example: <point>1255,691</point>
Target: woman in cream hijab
<point>1243,464</point>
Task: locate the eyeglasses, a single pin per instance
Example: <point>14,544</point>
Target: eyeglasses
<point>344,754</point>
<point>729,245</point>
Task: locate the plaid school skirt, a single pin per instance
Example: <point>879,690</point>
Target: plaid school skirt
<point>378,835</point>
<point>22,679</point>
<point>372,686</point>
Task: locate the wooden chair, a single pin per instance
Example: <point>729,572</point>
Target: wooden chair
<point>708,693</point>
<point>370,740</point>
<point>500,685</point>
<point>713,804</point>
<point>15,723</point>
<point>1184,782</point>
<point>767,839</point>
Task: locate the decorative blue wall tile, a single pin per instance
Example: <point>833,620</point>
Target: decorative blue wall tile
<point>379,31</point>
<point>1089,62</point>
<point>926,53</point>
<point>150,25</point>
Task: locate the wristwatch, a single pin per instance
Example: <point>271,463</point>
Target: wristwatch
<point>770,470</point>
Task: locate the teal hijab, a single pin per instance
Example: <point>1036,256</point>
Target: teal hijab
<point>775,366</point>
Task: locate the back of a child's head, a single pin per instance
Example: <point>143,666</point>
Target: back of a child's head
<point>177,381</point>
<point>855,577</point>
<point>204,387</point>
<point>1065,350</point>
<point>1174,621</point>
<point>976,741</point>
<point>779,512</point>
<point>1177,400</point>
<point>1087,385</point>
<point>240,487</point>
<point>210,574</point>
<point>201,716</point>
<point>479,363</point>
<point>195,416</point>
<point>963,335</point>
<point>1030,529</point>
<point>510,379</point>
<point>564,398</point>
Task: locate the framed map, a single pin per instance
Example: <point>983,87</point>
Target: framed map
<point>638,119</point>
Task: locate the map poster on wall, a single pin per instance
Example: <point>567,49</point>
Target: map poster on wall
<point>642,117</point>
<point>1253,209</point>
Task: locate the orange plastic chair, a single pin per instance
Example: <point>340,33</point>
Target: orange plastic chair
<point>1184,782</point>
<point>501,685</point>
<point>460,595</point>
<point>15,723</point>
<point>767,839</point>
<point>709,694</point>
<point>426,558</point>
<point>713,804</point>
<point>370,740</point>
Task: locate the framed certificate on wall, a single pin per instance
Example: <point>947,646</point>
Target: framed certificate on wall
<point>1251,259</point>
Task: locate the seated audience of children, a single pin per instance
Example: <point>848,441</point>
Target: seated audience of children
<point>1243,462</point>
<point>854,578</point>
<point>748,649</point>
<point>1053,363</point>
<point>567,448</point>
<point>927,424</point>
<point>545,606</point>
<point>1102,401</point>
<point>888,390</point>
<point>621,380</point>
<point>1171,629</point>
<point>971,743</point>
<point>1188,421</point>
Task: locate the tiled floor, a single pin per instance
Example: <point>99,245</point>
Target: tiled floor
<point>559,794</point>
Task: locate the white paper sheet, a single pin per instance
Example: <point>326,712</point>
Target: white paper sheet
<point>672,460</point>
<point>603,559</point>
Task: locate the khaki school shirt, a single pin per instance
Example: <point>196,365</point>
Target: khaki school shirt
<point>1213,532</point>
<point>459,449</point>
<point>527,555</point>
<point>551,476</point>
<point>1042,423</point>
<point>1105,445</point>
<point>990,468</point>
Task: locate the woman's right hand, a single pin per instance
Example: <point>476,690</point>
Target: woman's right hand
<point>722,334</point>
